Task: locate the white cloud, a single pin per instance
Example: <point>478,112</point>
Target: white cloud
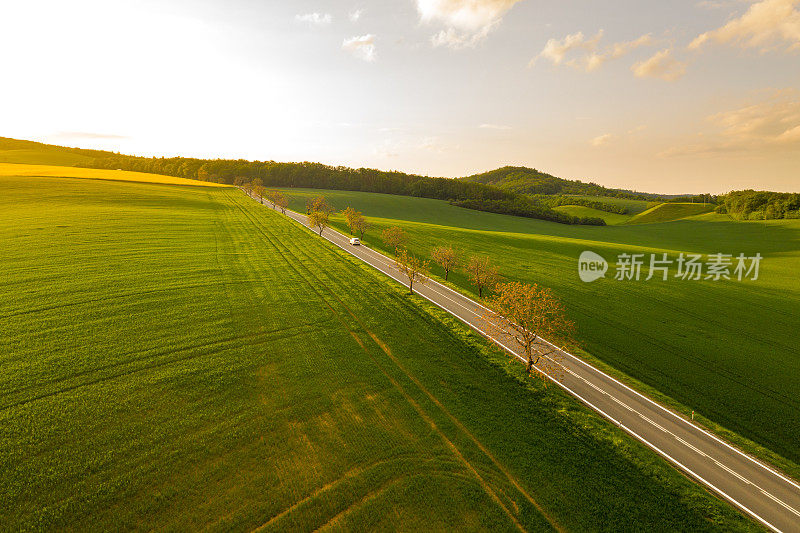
<point>315,19</point>
<point>767,25</point>
<point>494,127</point>
<point>362,47</point>
<point>556,50</point>
<point>355,15</point>
<point>771,124</point>
<point>602,140</point>
<point>662,65</point>
<point>467,22</point>
<point>593,56</point>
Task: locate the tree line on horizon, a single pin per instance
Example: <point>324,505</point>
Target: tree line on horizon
<point>518,191</point>
<point>460,192</point>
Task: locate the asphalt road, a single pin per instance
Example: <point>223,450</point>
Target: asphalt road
<point>760,491</point>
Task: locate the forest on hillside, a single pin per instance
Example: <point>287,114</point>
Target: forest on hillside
<point>759,205</point>
<point>524,180</point>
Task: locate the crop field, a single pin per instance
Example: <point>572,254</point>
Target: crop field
<point>184,358</point>
<point>53,171</point>
<point>727,349</point>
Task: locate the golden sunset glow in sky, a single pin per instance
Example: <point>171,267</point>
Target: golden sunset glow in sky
<point>670,97</point>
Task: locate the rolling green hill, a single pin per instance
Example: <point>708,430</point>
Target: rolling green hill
<point>47,158</point>
<point>668,212</point>
<point>725,349</point>
<point>581,211</point>
<point>182,358</point>
<point>632,207</point>
<point>524,180</point>
<point>34,153</point>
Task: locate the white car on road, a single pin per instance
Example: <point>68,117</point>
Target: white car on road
<point>354,241</point>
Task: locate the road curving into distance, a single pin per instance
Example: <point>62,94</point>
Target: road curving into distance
<point>768,496</point>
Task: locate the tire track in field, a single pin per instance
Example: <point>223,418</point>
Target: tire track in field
<point>216,347</point>
<point>119,296</point>
<point>450,445</point>
<point>420,411</point>
<point>513,480</point>
<point>372,495</point>
<point>351,474</point>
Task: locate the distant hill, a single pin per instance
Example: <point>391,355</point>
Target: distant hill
<point>466,194</point>
<point>524,180</point>
<point>35,153</point>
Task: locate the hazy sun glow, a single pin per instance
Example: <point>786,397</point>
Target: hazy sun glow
<point>702,96</point>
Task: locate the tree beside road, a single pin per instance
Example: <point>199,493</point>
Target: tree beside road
<point>412,267</point>
<point>446,257</point>
<point>523,313</point>
<point>482,273</point>
<point>319,213</point>
<point>394,238</point>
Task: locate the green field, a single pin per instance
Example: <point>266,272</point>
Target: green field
<point>639,212</point>
<point>55,171</point>
<point>182,358</point>
<point>633,207</point>
<point>726,349</point>
<point>667,212</point>
<point>582,211</point>
<point>43,157</point>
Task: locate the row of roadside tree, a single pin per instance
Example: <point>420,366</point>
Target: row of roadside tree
<point>517,313</point>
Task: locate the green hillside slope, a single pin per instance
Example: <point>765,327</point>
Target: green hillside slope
<point>581,211</point>
<point>632,207</point>
<point>668,212</point>
<point>34,153</point>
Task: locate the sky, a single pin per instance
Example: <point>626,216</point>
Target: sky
<point>670,97</point>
